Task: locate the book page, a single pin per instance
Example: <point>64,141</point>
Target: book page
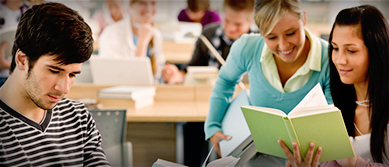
<point>315,97</point>
<point>229,161</point>
<point>312,110</point>
<point>267,110</point>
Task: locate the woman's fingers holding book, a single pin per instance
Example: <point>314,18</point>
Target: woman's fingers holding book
<point>308,157</point>
<point>296,153</point>
<point>310,154</point>
<point>315,161</point>
<point>287,152</point>
<point>295,158</point>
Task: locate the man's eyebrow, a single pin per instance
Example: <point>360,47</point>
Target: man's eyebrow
<point>56,67</point>
<point>61,69</point>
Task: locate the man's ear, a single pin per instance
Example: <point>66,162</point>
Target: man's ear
<point>21,60</point>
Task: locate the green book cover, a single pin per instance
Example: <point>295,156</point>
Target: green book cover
<point>322,125</point>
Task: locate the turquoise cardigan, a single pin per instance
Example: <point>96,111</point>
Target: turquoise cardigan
<point>245,55</point>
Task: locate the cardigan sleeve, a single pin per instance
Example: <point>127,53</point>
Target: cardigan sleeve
<point>229,76</point>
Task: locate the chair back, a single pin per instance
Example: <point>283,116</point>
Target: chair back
<point>111,125</point>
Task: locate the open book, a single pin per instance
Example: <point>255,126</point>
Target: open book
<point>312,120</point>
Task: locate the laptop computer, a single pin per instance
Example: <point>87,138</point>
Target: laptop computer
<point>132,71</point>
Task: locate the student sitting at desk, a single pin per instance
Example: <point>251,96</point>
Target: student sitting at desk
<point>135,37</point>
<point>198,11</point>
<point>237,21</point>
<point>283,63</point>
<point>38,126</point>
<point>359,58</point>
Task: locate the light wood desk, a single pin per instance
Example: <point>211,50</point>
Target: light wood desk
<point>177,53</point>
<point>157,131</point>
<point>173,103</point>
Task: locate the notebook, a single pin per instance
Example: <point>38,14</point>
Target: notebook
<point>132,71</point>
<point>234,124</point>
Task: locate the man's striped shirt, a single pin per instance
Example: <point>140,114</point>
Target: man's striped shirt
<point>67,136</point>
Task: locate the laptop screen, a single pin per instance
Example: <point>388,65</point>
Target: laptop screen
<point>110,70</point>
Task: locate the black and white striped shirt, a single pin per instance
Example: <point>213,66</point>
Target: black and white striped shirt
<point>67,136</point>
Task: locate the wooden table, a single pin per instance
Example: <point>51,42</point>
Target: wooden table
<point>173,103</point>
<point>157,131</point>
<point>177,53</point>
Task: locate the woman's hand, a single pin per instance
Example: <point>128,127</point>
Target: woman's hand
<point>216,138</point>
<point>295,159</point>
<point>145,30</point>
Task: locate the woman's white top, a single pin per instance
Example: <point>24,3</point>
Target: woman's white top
<point>362,147</point>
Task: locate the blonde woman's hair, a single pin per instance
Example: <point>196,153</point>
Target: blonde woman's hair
<point>269,13</point>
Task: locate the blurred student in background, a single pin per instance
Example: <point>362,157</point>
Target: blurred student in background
<point>237,21</point>
<point>135,37</point>
<point>10,12</point>
<point>198,11</point>
<point>283,63</point>
<point>112,11</point>
<point>359,72</point>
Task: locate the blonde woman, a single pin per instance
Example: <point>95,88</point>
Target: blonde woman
<point>283,63</point>
<point>135,37</point>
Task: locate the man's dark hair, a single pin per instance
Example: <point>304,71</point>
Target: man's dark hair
<point>53,29</point>
<point>197,5</point>
<point>239,5</point>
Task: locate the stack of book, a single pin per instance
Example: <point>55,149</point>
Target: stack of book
<point>126,96</point>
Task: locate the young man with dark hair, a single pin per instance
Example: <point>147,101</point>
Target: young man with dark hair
<point>238,20</point>
<point>38,126</point>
